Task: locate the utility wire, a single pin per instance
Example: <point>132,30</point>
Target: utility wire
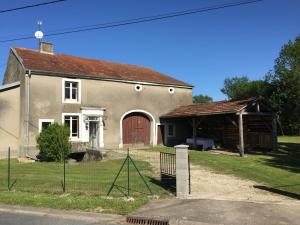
<point>137,20</point>
<point>31,6</point>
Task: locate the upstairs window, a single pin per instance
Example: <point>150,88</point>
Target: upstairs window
<point>71,91</point>
<point>72,121</point>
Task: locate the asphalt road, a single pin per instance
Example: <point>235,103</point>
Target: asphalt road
<point>8,218</point>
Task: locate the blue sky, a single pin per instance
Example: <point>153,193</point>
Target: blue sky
<point>201,49</point>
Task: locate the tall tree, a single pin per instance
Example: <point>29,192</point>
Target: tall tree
<point>242,87</point>
<point>202,99</point>
<point>285,83</point>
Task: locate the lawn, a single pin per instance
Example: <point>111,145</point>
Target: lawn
<point>279,171</point>
<point>87,184</point>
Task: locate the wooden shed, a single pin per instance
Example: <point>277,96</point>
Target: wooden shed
<point>245,124</point>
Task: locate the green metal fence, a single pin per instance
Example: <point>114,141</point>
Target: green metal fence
<point>139,176</point>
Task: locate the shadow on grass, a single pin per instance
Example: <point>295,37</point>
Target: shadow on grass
<point>278,191</point>
<point>169,186</point>
<point>287,157</point>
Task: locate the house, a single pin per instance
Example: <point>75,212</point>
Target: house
<point>245,124</point>
<point>105,104</point>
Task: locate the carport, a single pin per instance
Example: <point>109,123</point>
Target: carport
<point>246,125</point>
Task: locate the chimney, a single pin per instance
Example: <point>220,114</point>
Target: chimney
<point>46,47</point>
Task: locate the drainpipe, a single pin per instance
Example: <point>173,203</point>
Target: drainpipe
<point>27,111</point>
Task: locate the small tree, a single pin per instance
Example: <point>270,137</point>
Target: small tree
<point>53,142</point>
<point>202,99</point>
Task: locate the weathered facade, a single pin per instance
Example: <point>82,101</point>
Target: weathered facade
<point>93,97</point>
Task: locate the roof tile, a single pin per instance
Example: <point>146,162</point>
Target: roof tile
<point>66,65</point>
<point>201,109</point>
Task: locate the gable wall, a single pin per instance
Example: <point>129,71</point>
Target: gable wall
<point>14,70</point>
<point>9,121</point>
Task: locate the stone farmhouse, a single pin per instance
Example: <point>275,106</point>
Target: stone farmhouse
<point>105,104</point>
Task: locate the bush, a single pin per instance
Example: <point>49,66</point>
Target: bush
<point>53,142</point>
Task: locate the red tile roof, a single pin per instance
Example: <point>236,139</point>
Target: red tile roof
<point>201,109</point>
<point>71,65</point>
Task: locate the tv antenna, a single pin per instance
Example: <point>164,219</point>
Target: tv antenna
<point>39,34</point>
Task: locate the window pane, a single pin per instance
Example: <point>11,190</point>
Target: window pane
<point>67,93</point>
<point>74,93</point>
<point>75,126</point>
<point>74,84</point>
<point>67,121</point>
<point>45,125</point>
<point>68,84</point>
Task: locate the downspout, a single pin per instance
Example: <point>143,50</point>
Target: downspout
<point>27,112</point>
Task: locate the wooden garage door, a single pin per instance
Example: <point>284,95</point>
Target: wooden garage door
<point>136,129</point>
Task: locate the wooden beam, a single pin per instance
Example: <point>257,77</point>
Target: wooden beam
<point>256,113</point>
<point>232,121</point>
<point>274,133</point>
<point>241,134</point>
<point>257,107</point>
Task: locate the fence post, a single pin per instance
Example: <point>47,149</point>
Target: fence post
<point>64,172</point>
<point>182,171</point>
<point>8,170</point>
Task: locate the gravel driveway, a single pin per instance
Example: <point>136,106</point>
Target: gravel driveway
<point>207,184</point>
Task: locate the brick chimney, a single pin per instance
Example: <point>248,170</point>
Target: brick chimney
<point>46,47</point>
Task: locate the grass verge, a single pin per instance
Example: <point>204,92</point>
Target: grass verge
<point>76,202</point>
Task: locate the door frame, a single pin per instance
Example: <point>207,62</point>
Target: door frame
<point>153,139</point>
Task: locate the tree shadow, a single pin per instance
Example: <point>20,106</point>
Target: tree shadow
<point>278,191</point>
<point>287,157</point>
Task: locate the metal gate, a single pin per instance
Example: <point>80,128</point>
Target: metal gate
<point>168,171</point>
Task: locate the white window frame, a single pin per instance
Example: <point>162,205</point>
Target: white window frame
<point>74,139</point>
<point>41,121</point>
<point>64,100</point>
<point>167,129</point>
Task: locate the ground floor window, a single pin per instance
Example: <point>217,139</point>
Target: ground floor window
<point>44,123</point>
<point>72,121</point>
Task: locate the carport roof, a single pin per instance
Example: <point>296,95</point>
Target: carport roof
<point>220,107</point>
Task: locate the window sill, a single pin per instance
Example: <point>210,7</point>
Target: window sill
<point>71,102</point>
<point>75,140</point>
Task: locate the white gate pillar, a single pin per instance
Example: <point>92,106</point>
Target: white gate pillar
<point>182,171</point>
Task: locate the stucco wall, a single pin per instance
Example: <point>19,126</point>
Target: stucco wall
<point>117,97</point>
<point>14,70</point>
<point>9,121</point>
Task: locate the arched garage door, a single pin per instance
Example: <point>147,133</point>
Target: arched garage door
<point>136,129</point>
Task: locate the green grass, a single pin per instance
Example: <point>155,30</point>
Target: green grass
<point>40,184</point>
<point>289,139</point>
<point>279,170</point>
<point>70,201</point>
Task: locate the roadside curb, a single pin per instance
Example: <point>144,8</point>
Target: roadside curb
<point>64,214</point>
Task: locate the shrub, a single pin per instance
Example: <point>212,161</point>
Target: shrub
<point>53,142</point>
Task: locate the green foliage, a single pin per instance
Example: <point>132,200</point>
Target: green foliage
<point>242,87</point>
<point>53,142</point>
<point>285,86</point>
<point>202,99</point>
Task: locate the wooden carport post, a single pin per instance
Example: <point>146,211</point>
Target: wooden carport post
<point>241,134</point>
